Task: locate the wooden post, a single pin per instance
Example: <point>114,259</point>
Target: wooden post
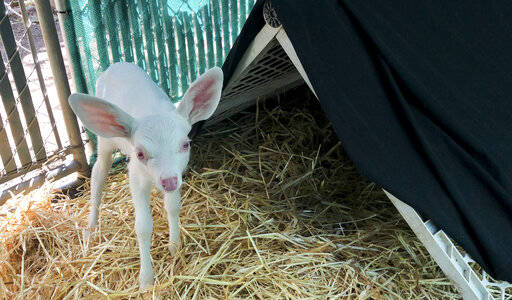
<point>170,40</point>
<point>198,36</point>
<point>208,27</point>
<point>242,11</point>
<point>233,20</point>
<point>67,28</point>
<point>113,30</point>
<point>121,7</point>
<point>42,86</point>
<point>136,33</point>
<point>216,24</point>
<point>99,33</point>
<point>224,10</point>
<point>148,39</point>
<point>20,80</point>
<point>189,39</point>
<point>85,67</point>
<point>182,53</point>
<point>159,37</point>
<point>51,42</point>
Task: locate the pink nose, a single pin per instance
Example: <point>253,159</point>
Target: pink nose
<point>169,184</point>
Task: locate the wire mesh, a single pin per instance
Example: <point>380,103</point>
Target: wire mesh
<point>173,40</point>
<point>32,134</point>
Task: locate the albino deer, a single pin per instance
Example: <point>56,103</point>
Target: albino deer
<point>132,114</point>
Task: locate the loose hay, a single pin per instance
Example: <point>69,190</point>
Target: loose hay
<point>272,208</point>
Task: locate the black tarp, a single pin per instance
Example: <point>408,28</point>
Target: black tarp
<point>420,94</point>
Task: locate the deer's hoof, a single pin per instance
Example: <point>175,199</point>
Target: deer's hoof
<point>145,280</point>
<point>173,248</point>
<point>87,237</point>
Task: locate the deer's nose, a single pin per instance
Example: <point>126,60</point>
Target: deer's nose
<point>169,184</point>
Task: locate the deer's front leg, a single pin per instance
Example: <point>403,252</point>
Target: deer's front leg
<point>140,187</point>
<point>98,177</point>
<point>172,202</point>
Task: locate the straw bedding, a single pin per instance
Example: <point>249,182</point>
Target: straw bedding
<point>272,208</point>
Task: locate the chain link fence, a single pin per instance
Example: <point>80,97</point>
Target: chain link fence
<point>33,137</point>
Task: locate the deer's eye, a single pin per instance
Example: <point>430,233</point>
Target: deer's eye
<point>185,146</point>
<point>140,155</point>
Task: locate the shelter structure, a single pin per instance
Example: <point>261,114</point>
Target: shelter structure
<point>271,56</point>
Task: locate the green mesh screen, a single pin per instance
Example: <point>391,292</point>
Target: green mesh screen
<point>173,40</point>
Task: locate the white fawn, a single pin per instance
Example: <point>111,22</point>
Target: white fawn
<point>131,113</point>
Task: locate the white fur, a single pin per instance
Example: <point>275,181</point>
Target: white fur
<point>130,112</point>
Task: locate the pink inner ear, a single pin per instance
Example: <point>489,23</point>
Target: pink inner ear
<point>103,118</point>
<point>204,92</point>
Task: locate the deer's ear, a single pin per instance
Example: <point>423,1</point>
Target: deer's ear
<point>101,117</point>
<point>202,98</point>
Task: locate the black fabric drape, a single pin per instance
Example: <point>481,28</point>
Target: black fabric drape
<point>420,94</point>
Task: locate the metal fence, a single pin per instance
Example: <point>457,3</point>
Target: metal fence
<point>37,132</point>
